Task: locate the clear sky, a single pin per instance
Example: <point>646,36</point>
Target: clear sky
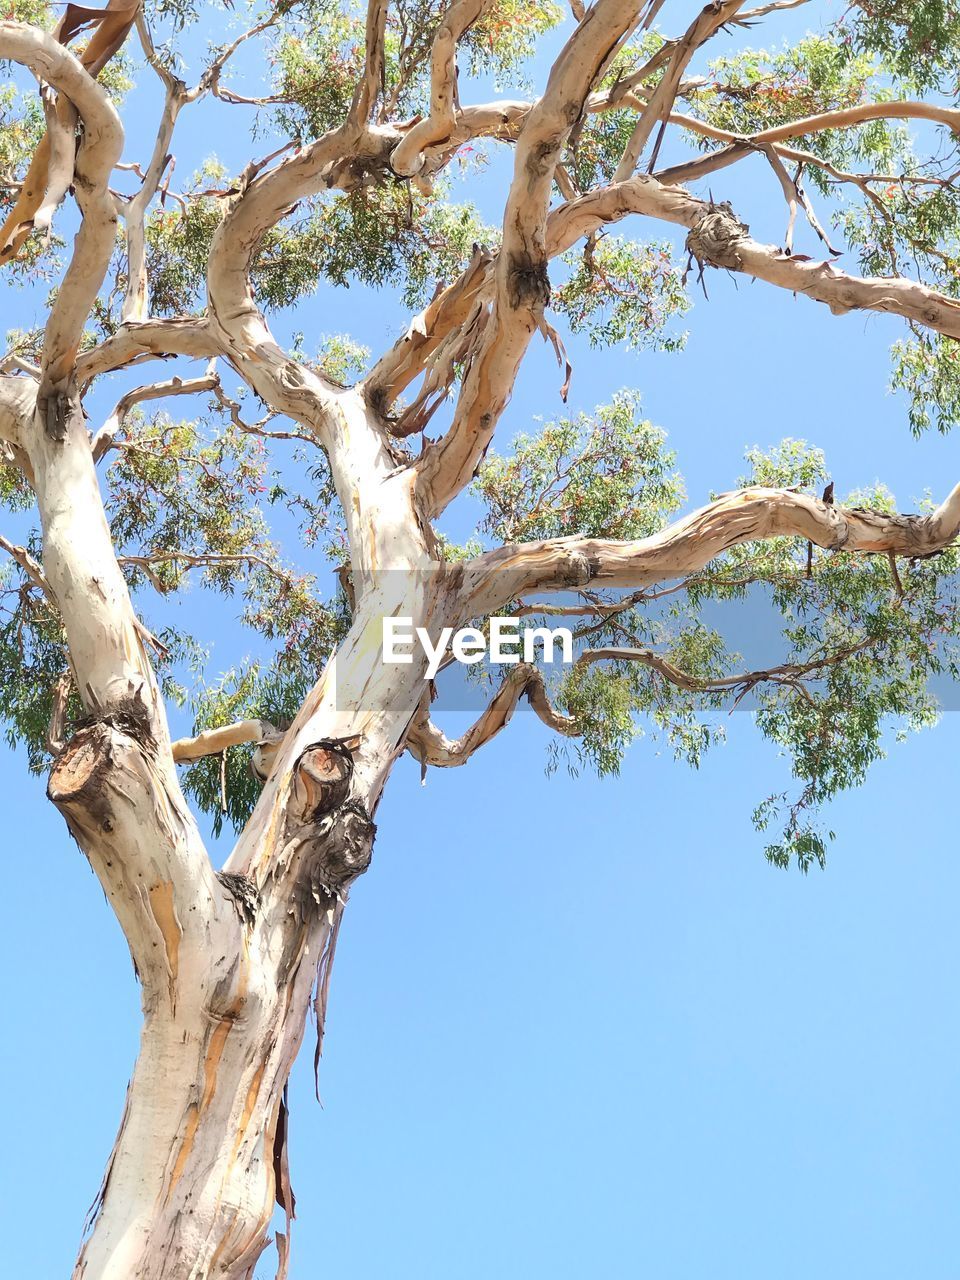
<point>578,1028</point>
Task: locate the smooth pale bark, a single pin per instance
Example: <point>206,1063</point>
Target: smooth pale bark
<point>408,156</point>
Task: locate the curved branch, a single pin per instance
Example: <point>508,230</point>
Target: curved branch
<point>264,199</point>
<point>740,145</point>
<point>685,547</point>
<point>719,239</point>
<point>431,746</point>
<point>408,157</point>
<point>842,118</point>
<point>99,152</point>
<point>43,185</point>
<point>522,283</point>
<point>136,341</point>
<point>105,437</point>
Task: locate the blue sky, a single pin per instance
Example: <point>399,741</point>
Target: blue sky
<point>579,1028</point>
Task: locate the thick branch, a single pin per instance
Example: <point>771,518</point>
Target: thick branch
<point>114,781</point>
<point>99,152</point>
<point>719,239</point>
<point>152,339</point>
<point>748,515</point>
<point>522,284</point>
<point>212,741</point>
<point>408,157</point>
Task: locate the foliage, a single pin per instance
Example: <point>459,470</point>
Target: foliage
<point>211,504</point>
<point>927,368</point>
<point>179,239</point>
<point>759,89</point>
<point>608,473</point>
<point>874,648</point>
<point>918,42</point>
<point>318,56</point>
<point>623,291</point>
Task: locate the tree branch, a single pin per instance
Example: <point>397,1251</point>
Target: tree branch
<point>522,285</point>
<point>148,340</point>
<point>103,441</point>
<point>114,781</point>
<point>212,741</point>
<point>134,210</point>
<point>748,515</point>
<point>34,571</point>
<point>719,239</point>
<point>431,746</point>
<point>705,25</point>
<point>99,152</point>
<point>408,156</point>
<point>371,83</point>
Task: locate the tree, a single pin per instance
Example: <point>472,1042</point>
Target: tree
<point>366,116</point>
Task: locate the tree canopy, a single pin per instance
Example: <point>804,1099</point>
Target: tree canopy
<point>853,123</point>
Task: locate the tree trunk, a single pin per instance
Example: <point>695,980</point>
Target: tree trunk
<point>228,968</point>
<point>200,1158</point>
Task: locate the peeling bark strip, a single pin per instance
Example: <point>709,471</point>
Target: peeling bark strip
<point>245,894</point>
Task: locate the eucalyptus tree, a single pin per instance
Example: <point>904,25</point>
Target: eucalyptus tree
<point>366,126</point>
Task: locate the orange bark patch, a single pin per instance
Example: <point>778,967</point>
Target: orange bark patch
<point>250,1102</point>
<point>165,914</point>
<point>186,1146</point>
<point>212,1061</point>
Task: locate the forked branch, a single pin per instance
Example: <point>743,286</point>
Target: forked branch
<point>522,286</point>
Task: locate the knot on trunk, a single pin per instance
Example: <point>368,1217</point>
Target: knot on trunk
<point>102,746</point>
<point>321,780</point>
<point>528,284</point>
<point>245,894</point>
<point>332,856</point>
<point>79,774</point>
<point>714,238</point>
<point>59,409</point>
<point>129,716</point>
